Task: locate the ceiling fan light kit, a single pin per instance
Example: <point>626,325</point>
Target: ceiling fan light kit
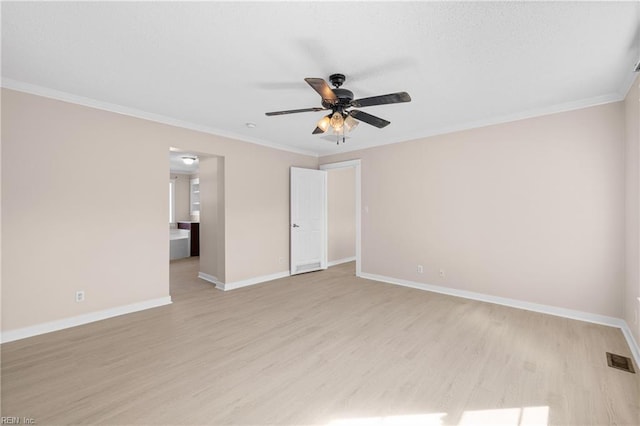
<point>339,100</point>
<point>350,123</point>
<point>337,121</point>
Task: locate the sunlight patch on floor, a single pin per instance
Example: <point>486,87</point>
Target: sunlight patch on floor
<point>408,420</point>
<point>525,416</point>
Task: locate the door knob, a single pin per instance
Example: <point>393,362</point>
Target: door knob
<point>296,226</point>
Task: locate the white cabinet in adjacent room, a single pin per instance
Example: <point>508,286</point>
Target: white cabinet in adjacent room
<point>194,198</point>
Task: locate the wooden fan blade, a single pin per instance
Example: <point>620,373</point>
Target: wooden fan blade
<point>317,131</point>
<point>321,86</point>
<point>294,111</point>
<point>369,119</point>
<point>392,98</point>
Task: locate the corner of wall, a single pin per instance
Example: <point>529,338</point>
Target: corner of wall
<point>631,294</point>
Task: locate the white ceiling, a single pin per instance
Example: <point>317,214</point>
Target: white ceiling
<point>215,66</point>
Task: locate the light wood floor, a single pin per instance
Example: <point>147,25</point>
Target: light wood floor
<point>320,348</point>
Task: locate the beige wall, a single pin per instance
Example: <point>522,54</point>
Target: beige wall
<point>341,201</point>
<point>530,210</point>
<point>106,232</point>
<point>632,156</point>
<point>212,220</point>
<point>77,213</point>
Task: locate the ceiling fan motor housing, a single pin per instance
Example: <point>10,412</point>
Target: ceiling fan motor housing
<point>344,99</point>
<point>337,80</point>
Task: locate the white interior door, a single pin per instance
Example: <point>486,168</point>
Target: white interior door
<point>308,220</point>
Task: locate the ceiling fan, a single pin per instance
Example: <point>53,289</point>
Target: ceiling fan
<point>339,100</point>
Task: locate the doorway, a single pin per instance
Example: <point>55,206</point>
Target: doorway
<point>340,248</point>
<point>184,205</point>
<point>197,202</point>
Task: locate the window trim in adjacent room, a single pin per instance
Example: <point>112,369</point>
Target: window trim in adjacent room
<point>172,200</point>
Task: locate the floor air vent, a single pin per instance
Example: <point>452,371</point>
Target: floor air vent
<point>620,362</point>
<point>308,267</point>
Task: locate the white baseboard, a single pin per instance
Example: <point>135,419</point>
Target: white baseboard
<point>255,280</point>
<point>244,283</point>
<point>633,345</point>
<point>213,280</point>
<point>48,327</point>
<point>520,304</point>
<point>341,261</point>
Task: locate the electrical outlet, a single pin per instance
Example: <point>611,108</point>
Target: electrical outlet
<point>420,269</point>
<point>442,273</point>
<point>281,260</point>
<point>80,296</point>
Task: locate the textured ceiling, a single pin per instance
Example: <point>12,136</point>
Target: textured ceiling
<point>215,66</point>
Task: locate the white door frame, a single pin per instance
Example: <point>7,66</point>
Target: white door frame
<point>356,165</point>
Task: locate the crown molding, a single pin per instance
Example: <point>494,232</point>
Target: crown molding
<point>626,84</point>
<point>46,92</point>
<point>132,112</point>
<point>532,113</point>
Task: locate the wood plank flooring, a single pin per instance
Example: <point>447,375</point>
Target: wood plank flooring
<point>320,348</point>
